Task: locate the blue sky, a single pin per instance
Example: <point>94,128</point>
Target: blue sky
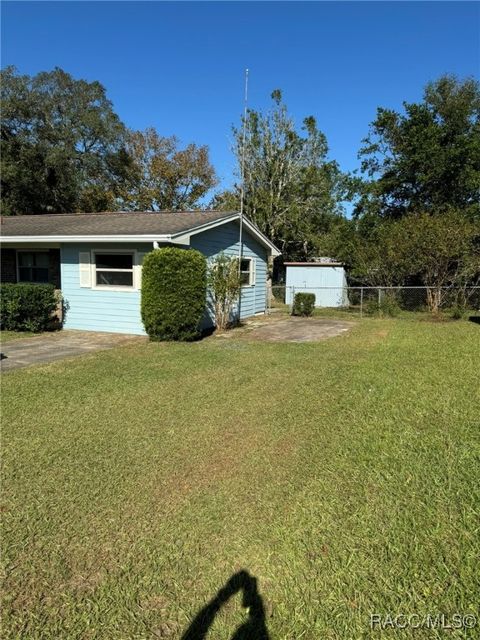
<point>179,66</point>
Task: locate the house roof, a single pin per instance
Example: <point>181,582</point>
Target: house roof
<point>313,264</point>
<point>147,226</point>
<point>93,224</point>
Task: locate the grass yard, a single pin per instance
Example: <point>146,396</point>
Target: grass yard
<point>8,336</point>
<point>342,475</point>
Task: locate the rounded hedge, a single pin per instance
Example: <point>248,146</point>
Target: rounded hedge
<point>27,307</point>
<point>174,287</point>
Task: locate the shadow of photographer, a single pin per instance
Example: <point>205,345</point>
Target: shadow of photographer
<point>254,628</point>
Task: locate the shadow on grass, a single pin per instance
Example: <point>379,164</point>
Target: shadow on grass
<point>254,628</point>
<point>475,319</point>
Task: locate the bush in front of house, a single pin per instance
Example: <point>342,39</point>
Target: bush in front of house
<point>27,307</point>
<point>224,284</point>
<point>303,304</point>
<point>174,284</point>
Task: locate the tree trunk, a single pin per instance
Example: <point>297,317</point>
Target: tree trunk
<point>434,299</point>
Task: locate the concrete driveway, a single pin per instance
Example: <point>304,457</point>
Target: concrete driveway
<point>57,346</point>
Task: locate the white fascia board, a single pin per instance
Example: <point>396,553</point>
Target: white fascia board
<point>182,237</point>
<point>85,239</point>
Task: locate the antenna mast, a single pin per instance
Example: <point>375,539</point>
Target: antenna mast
<point>242,186</point>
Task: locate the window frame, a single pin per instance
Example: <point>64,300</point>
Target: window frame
<point>114,287</point>
<point>251,272</point>
<point>18,266</point>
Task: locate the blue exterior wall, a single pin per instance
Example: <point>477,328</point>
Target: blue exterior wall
<point>98,309</point>
<point>225,239</point>
<point>307,279</point>
<point>118,311</point>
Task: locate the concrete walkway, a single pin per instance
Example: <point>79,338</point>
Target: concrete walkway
<point>48,347</point>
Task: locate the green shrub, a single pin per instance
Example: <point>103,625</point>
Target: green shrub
<point>387,307</point>
<point>173,293</point>
<point>303,304</point>
<point>458,311</point>
<point>27,307</point>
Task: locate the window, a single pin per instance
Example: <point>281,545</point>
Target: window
<point>247,272</point>
<point>113,269</point>
<point>32,266</point>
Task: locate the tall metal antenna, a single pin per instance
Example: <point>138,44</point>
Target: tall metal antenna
<point>242,187</point>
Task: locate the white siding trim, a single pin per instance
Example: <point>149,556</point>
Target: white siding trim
<point>252,271</point>
<point>84,267</point>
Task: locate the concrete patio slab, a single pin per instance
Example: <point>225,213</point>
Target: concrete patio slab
<point>49,347</point>
<point>281,328</point>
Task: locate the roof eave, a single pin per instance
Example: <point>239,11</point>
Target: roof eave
<point>176,238</point>
<point>89,238</point>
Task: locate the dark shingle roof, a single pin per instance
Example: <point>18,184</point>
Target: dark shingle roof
<point>105,224</point>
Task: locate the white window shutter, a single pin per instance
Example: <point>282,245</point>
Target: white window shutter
<point>138,268</point>
<point>254,271</point>
<point>85,269</point>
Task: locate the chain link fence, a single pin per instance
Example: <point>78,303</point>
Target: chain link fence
<point>387,301</point>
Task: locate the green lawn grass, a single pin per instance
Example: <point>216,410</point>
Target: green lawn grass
<point>342,475</point>
<point>8,336</point>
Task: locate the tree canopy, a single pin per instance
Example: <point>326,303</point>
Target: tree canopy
<point>165,176</point>
<point>64,149</point>
<point>426,158</point>
<point>62,145</point>
<point>292,191</point>
<point>417,200</point>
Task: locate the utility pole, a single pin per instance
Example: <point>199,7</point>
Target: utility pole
<point>242,189</point>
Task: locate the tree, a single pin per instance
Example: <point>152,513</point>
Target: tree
<point>62,145</point>
<point>166,177</point>
<point>224,284</point>
<point>292,192</point>
<point>227,200</point>
<point>371,255</point>
<point>442,251</point>
<point>427,158</point>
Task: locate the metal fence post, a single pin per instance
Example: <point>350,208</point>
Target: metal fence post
<point>361,302</point>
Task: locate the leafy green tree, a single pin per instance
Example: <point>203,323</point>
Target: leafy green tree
<point>166,177</point>
<point>292,192</point>
<point>62,145</point>
<point>224,285</point>
<point>370,254</point>
<point>439,252</point>
<point>427,158</point>
<point>442,251</point>
<point>227,200</point>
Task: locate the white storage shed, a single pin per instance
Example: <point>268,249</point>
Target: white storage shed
<point>325,279</point>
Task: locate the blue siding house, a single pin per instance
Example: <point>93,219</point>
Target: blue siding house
<point>96,259</point>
